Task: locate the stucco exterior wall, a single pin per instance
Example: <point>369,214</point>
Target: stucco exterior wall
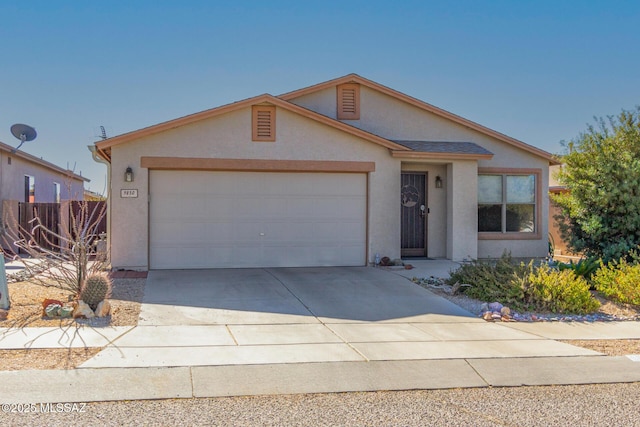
<point>229,136</point>
<point>462,210</point>
<point>12,181</point>
<point>396,120</point>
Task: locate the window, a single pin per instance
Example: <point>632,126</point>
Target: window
<point>56,192</point>
<point>349,101</point>
<point>263,122</point>
<point>508,202</point>
<point>29,189</point>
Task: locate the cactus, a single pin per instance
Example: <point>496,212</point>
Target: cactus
<point>95,289</point>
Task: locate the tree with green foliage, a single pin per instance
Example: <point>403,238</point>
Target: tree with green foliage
<point>600,214</point>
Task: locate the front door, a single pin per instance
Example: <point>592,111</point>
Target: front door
<point>413,205</point>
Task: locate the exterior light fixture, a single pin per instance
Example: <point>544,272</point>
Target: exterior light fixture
<point>438,182</point>
<point>128,175</point>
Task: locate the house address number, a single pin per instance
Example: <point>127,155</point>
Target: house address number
<point>129,193</point>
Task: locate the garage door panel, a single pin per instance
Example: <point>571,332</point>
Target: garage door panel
<point>240,219</point>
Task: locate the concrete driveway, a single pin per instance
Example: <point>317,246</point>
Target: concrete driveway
<point>289,295</point>
<point>307,315</point>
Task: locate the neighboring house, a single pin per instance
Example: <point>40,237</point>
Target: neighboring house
<point>561,250</point>
<point>27,178</point>
<point>328,175</point>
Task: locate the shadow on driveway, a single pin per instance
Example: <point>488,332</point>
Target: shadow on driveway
<point>289,295</point>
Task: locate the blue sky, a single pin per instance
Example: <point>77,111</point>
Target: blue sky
<point>538,71</point>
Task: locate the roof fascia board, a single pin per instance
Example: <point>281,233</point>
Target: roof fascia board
<point>439,156</point>
<point>339,125</point>
<point>349,78</point>
<point>266,98</point>
<point>41,162</point>
<point>354,78</point>
<point>181,121</point>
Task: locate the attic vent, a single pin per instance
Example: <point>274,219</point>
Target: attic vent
<point>263,123</point>
<point>349,101</point>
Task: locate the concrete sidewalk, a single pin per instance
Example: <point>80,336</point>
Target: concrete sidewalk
<point>270,331</point>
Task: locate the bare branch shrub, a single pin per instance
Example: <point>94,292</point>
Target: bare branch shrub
<point>61,258</point>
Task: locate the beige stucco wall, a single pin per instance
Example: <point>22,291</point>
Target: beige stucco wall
<point>12,191</point>
<point>12,181</point>
<point>229,136</point>
<point>452,222</point>
<point>396,120</point>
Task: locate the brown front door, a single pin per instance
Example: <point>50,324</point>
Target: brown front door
<point>414,210</point>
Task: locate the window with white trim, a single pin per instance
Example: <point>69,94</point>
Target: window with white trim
<point>56,192</point>
<point>507,203</point>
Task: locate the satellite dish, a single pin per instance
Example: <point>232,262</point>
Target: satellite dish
<point>24,133</point>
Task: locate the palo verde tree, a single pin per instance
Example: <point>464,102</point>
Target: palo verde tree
<point>600,214</point>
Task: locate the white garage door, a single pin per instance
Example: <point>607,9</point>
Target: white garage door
<point>251,219</point>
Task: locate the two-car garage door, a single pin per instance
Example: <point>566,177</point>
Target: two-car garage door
<point>256,219</point>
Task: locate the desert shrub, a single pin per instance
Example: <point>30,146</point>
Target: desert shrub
<point>619,280</point>
<point>560,291</point>
<point>585,267</point>
<point>493,280</point>
<point>525,286</point>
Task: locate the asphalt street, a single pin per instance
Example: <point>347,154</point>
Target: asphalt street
<point>585,405</point>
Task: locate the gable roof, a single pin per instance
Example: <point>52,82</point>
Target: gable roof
<point>400,149</point>
<point>105,145</point>
<point>40,162</point>
<point>355,78</point>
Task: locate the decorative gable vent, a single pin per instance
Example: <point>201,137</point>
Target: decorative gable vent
<point>349,101</point>
<point>263,118</point>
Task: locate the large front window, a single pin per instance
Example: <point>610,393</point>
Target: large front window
<point>507,203</point>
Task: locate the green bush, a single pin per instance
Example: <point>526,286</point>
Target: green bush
<point>492,280</point>
<point>525,286</point>
<point>560,291</point>
<point>585,267</point>
<point>619,280</point>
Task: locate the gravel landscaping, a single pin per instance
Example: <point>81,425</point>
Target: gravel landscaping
<point>582,405</point>
<point>26,311</point>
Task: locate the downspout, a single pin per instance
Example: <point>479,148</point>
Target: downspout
<point>98,159</point>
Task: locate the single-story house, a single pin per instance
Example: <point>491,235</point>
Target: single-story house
<point>334,174</point>
<point>25,178</point>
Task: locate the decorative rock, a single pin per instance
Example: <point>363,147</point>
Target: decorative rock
<point>53,310</point>
<point>385,261</point>
<point>83,310</point>
<point>66,311</point>
<point>3,314</point>
<point>505,311</point>
<point>47,302</point>
<point>495,306</point>
<point>103,309</point>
